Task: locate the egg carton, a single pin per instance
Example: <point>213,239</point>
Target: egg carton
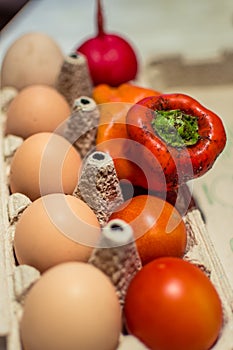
<point>17,280</point>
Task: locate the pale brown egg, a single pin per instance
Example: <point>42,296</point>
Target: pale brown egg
<point>37,108</point>
<point>73,306</point>
<point>53,229</point>
<point>44,163</point>
<point>34,58</point>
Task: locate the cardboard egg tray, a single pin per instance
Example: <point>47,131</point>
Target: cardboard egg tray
<point>16,280</point>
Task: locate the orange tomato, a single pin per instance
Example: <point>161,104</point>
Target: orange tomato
<point>127,92</point>
<point>158,227</point>
<point>112,136</point>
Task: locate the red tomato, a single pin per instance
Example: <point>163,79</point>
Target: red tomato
<point>172,305</point>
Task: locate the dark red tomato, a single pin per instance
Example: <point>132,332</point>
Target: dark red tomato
<point>172,305</point>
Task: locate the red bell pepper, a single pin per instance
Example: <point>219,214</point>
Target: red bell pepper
<point>181,138</point>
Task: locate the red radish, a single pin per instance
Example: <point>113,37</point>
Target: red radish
<point>111,59</point>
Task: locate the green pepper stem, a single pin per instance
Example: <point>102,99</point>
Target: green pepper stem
<point>176,128</point>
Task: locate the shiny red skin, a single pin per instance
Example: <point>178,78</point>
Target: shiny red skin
<point>172,305</point>
<point>111,59</point>
<point>177,164</point>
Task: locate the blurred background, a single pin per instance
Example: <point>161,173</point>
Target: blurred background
<point>8,9</point>
<point>196,28</point>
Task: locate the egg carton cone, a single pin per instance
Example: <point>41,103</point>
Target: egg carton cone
<point>74,78</point>
<point>15,281</point>
<point>99,186</point>
<point>80,128</point>
<point>117,256</point>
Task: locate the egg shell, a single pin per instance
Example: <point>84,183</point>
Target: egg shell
<point>55,228</point>
<point>33,58</point>
<point>73,306</point>
<point>44,163</point>
<point>37,108</point>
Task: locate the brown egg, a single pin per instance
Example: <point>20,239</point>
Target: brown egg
<point>73,306</point>
<point>55,228</point>
<point>34,58</point>
<point>37,108</point>
<point>44,163</point>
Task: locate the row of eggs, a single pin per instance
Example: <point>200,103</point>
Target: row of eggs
<point>73,304</point>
